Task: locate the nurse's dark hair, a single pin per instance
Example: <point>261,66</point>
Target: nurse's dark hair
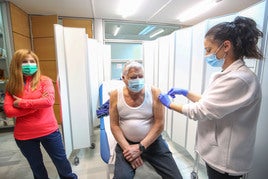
<point>242,33</point>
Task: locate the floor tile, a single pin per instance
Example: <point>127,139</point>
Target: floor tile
<point>13,165</point>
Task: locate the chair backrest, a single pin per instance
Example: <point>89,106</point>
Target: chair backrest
<point>104,144</point>
<point>107,141</point>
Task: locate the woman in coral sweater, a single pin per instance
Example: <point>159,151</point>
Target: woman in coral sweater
<point>29,98</point>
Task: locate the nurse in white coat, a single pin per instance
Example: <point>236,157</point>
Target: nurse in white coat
<point>228,110</point>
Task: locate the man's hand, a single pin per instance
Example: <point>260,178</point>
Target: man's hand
<point>132,152</point>
<point>137,162</point>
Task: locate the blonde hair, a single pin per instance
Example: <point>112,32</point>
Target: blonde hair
<point>15,83</point>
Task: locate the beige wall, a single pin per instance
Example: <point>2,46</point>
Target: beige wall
<point>20,28</point>
<point>81,23</point>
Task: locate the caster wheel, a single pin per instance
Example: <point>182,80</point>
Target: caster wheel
<point>92,146</point>
<point>76,161</point>
<point>194,175</point>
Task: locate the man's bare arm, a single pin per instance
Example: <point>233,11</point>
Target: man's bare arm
<point>114,121</point>
<point>158,122</point>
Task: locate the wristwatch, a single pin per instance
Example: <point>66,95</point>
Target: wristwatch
<point>141,147</point>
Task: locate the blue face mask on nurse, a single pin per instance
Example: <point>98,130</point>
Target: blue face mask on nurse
<point>212,59</point>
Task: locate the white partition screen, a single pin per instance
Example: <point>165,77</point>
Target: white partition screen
<point>165,44</point>
<point>197,76</point>
<point>64,99</point>
<point>183,42</point>
<point>71,47</point>
<point>150,59</point>
<point>98,61</point>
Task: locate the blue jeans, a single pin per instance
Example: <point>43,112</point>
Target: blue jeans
<point>157,154</point>
<point>54,146</point>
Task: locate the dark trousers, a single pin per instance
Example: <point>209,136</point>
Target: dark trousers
<point>213,174</point>
<point>54,147</point>
<point>157,154</point>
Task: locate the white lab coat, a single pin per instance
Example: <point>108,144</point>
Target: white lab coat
<point>227,117</point>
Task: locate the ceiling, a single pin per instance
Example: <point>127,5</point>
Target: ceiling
<point>163,12</point>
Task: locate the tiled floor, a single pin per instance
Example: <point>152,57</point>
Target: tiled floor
<point>14,166</point>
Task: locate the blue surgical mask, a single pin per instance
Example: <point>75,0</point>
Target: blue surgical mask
<point>136,85</point>
<point>213,60</point>
<point>29,69</point>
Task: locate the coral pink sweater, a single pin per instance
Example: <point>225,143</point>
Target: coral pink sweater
<point>35,115</point>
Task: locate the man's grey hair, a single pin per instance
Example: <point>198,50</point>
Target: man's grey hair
<point>131,64</point>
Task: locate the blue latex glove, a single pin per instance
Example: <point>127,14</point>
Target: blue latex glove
<point>102,112</point>
<point>173,91</point>
<point>106,104</point>
<point>164,99</point>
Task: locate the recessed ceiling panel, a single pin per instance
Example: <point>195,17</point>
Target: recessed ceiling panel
<point>131,31</point>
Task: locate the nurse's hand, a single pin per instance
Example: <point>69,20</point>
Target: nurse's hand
<point>173,91</point>
<point>164,99</point>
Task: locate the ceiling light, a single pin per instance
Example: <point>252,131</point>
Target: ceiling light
<point>146,30</point>
<point>128,7</point>
<point>116,30</point>
<point>197,9</point>
<point>159,31</point>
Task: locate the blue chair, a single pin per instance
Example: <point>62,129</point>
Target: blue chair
<point>104,144</point>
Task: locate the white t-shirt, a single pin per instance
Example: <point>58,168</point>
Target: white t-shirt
<point>135,122</point>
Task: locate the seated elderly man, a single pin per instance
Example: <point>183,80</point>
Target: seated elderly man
<point>137,120</point>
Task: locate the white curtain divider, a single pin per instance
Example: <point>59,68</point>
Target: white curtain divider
<point>106,63</point>
<point>96,52</point>
<point>163,71</point>
<point>149,59</point>
<point>62,81</point>
<point>99,70</point>
<point>170,75</point>
<point>183,43</point>
<point>163,62</point>
<point>77,77</point>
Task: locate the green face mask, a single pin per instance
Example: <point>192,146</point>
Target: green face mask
<point>29,69</point>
